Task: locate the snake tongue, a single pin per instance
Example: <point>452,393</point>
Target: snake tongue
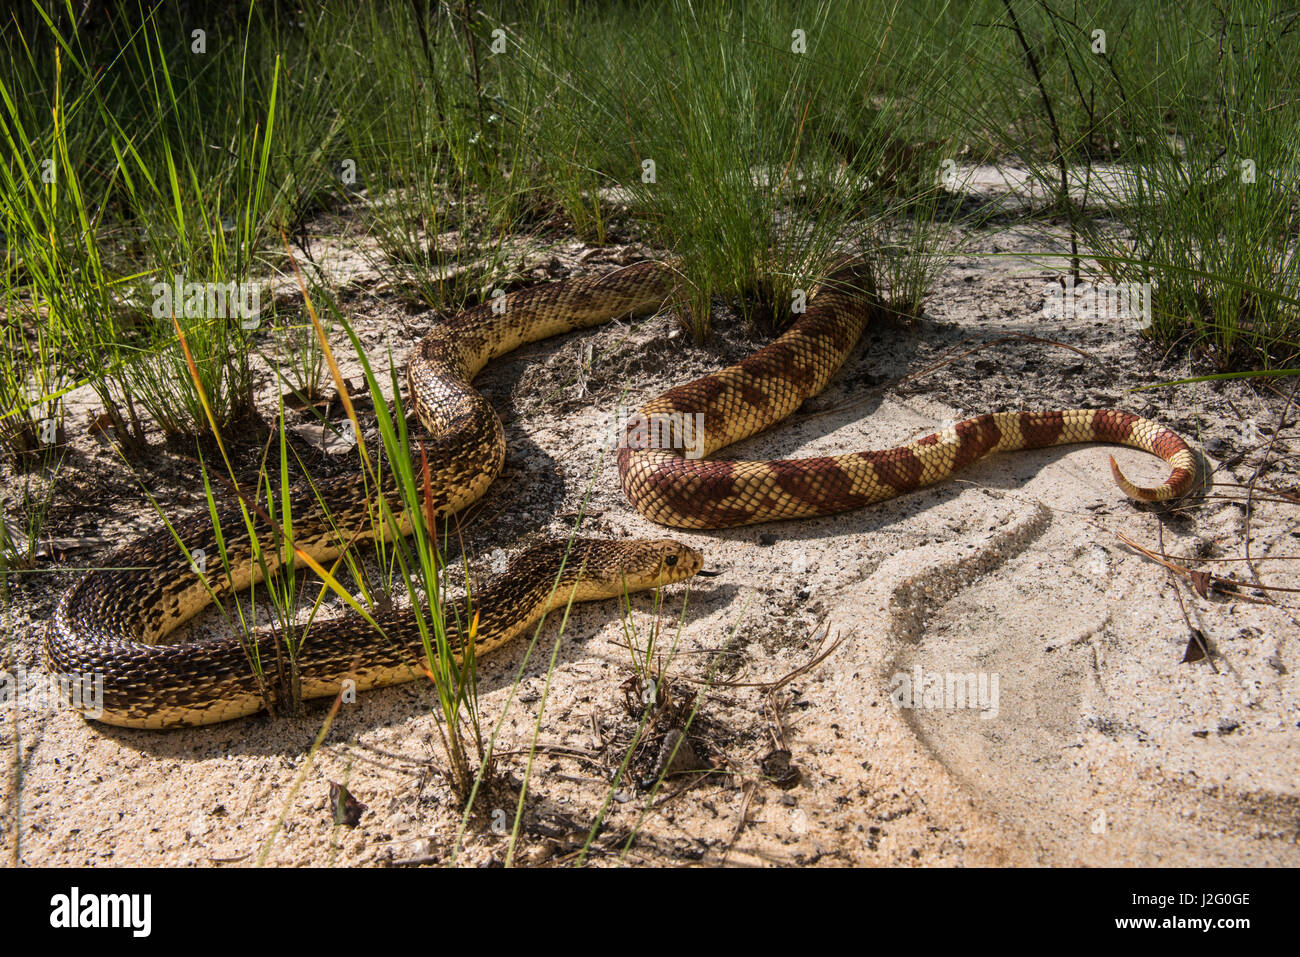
<point>703,574</point>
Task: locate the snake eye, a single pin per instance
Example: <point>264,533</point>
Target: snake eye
<point>670,561</point>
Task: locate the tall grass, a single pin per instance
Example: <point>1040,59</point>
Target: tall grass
<point>1202,205</point>
<point>1212,216</point>
<point>451,668</point>
<point>137,162</point>
<point>749,143</point>
<point>398,505</point>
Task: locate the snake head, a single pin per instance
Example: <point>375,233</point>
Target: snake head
<point>670,561</point>
<point>611,568</point>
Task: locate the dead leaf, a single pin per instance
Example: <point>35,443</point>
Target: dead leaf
<point>346,809</point>
<point>1196,647</point>
<point>1202,582</point>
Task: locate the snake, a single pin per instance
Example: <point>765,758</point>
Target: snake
<point>117,620</point>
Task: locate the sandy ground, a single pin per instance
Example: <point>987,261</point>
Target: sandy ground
<point>1092,741</point>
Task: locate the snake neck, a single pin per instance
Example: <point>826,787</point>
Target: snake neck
<point>540,579</point>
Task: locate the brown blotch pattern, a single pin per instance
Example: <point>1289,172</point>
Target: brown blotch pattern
<point>975,437</point>
<point>899,468</point>
<point>1041,429</point>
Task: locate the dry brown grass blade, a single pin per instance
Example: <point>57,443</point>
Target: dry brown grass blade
<point>1230,585</point>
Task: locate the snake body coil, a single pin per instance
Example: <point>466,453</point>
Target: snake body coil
<point>114,621</point>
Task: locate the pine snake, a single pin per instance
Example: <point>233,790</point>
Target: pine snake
<point>115,620</point>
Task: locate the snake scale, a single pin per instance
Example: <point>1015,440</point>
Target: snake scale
<point>115,620</point>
